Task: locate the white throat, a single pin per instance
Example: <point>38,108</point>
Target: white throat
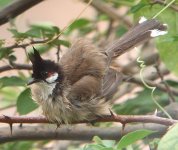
<point>42,91</point>
<point>46,89</point>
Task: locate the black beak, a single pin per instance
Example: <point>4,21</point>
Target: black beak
<point>31,81</point>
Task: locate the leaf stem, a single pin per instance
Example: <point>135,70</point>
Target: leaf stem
<point>163,9</point>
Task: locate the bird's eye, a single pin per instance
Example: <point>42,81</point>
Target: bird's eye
<point>47,74</point>
<point>44,73</point>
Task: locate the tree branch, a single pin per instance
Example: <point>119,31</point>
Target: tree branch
<point>159,86</point>
<point>20,66</point>
<point>110,11</point>
<point>43,132</point>
<point>130,68</point>
<point>124,119</point>
<point>26,44</point>
<point>15,66</point>
<point>74,132</point>
<point>16,8</point>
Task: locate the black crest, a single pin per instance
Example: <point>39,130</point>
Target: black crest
<point>35,57</point>
<point>41,66</point>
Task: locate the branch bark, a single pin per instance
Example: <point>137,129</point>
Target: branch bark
<point>16,8</point>
<point>15,66</point>
<point>124,119</point>
<point>74,132</point>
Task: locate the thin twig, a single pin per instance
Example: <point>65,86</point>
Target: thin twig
<point>25,44</point>
<point>58,51</point>
<point>167,88</point>
<point>161,2</point>
<point>151,83</point>
<point>109,29</point>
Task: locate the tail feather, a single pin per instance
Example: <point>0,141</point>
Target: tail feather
<point>141,32</point>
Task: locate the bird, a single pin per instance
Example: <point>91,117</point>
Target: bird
<point>79,87</point>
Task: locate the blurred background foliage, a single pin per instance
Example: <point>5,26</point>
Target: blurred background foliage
<point>15,93</point>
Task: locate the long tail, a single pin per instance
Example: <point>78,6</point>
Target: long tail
<point>141,32</point>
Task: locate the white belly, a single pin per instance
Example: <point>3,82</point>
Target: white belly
<point>61,110</point>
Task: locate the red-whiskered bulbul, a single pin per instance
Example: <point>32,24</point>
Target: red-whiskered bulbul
<point>79,86</point>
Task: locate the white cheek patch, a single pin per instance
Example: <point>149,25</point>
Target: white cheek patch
<point>156,32</point>
<point>52,78</point>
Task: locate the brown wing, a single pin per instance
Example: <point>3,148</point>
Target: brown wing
<point>86,88</point>
<point>84,67</point>
<point>83,59</point>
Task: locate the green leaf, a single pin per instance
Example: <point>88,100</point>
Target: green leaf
<point>8,96</point>
<point>39,30</point>
<point>11,81</point>
<point>61,42</point>
<point>77,24</point>
<point>12,58</point>
<point>34,33</point>
<point>4,3</point>
<point>169,140</point>
<point>118,3</point>
<point>137,7</point>
<point>108,143</point>
<point>141,104</point>
<point>85,30</point>
<point>22,145</point>
<point>2,42</point>
<point>100,144</point>
<point>5,52</point>
<point>169,53</point>
<point>104,143</point>
<point>97,140</point>
<point>121,30</point>
<point>46,26</point>
<point>43,30</point>
<point>25,103</point>
<point>102,17</point>
<point>153,144</point>
<point>167,45</point>
<point>132,137</point>
<point>93,147</point>
<point>18,35</point>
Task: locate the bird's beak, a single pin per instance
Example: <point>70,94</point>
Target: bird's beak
<point>32,80</point>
